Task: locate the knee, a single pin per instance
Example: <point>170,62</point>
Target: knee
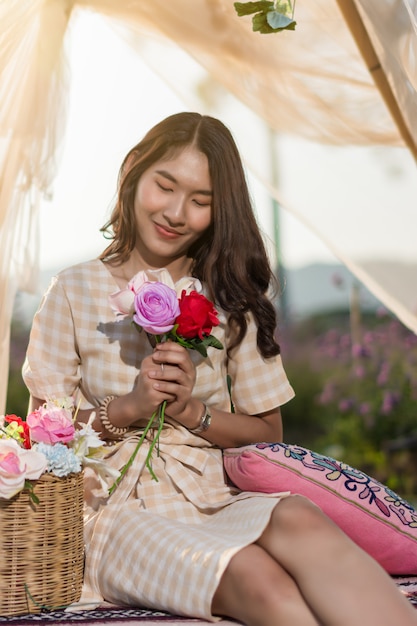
<point>296,514</point>
<point>298,524</point>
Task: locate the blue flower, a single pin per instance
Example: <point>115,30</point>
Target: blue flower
<point>61,460</point>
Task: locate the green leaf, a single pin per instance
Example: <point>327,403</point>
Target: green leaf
<point>183,342</point>
<point>229,388</point>
<point>199,346</point>
<point>212,341</point>
<point>247,8</point>
<point>269,18</point>
<point>260,24</point>
<point>291,25</point>
<point>32,495</point>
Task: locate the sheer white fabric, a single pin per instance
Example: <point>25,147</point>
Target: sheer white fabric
<point>313,83</point>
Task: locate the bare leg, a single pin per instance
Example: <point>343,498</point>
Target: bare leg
<point>258,592</point>
<point>339,581</point>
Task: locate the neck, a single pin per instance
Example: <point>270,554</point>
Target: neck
<point>177,267</point>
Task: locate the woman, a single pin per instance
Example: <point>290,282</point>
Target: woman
<point>190,543</point>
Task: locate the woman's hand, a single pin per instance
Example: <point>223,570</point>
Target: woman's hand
<point>174,379</point>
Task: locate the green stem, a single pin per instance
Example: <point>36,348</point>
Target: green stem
<point>161,419</point>
<point>132,458</point>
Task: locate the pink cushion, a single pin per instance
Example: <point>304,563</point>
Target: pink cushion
<point>375,517</point>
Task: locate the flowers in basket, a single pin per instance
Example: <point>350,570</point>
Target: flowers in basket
<point>47,441</point>
<point>166,311</point>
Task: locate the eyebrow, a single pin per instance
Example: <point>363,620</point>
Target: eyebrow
<point>165,174</point>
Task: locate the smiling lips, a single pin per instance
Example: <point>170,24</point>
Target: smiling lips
<point>167,233</point>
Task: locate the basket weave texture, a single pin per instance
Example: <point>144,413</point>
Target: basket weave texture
<point>42,546</point>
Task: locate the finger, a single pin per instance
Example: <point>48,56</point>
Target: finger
<point>170,350</point>
<point>172,362</point>
<point>172,375</point>
<point>167,391</point>
<point>169,345</point>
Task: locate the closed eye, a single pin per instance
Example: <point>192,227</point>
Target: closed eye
<point>202,204</point>
<point>163,188</point>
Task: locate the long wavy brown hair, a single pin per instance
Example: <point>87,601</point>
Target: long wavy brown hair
<point>230,257</point>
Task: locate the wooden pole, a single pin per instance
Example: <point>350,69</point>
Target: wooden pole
<point>367,50</point>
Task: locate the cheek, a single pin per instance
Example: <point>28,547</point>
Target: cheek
<point>202,220</point>
<point>145,200</point>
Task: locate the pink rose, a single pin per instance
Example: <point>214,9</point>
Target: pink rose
<point>51,424</point>
<point>17,465</point>
<point>156,307</point>
<point>137,282</point>
<point>122,301</point>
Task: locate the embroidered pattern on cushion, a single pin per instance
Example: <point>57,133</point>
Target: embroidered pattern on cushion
<point>369,490</point>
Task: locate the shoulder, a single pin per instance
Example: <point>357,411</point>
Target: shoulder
<point>88,273</point>
<point>75,281</point>
<point>93,267</point>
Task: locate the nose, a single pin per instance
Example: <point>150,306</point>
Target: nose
<point>175,211</point>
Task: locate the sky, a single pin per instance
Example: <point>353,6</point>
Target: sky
<point>115,98</point>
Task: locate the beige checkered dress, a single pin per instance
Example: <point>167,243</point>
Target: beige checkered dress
<point>155,544</point>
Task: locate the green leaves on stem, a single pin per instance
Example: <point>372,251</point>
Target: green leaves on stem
<point>270,17</point>
<point>30,489</point>
<point>196,343</point>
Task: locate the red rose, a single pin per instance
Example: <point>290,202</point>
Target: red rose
<point>197,316</point>
<point>23,430</point>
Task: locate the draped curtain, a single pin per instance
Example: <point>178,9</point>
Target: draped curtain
<point>347,76</point>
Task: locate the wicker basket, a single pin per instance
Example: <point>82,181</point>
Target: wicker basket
<point>42,547</point>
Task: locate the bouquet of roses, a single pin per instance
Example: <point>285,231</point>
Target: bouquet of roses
<point>47,441</point>
<point>166,311</point>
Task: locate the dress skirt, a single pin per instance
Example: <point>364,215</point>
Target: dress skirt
<point>165,544</point>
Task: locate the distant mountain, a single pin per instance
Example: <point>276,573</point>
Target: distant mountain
<point>314,288</point>
<point>322,287</point>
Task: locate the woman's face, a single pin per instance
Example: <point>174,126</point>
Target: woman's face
<point>172,206</point>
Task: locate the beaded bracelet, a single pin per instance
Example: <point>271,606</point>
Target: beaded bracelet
<point>111,428</point>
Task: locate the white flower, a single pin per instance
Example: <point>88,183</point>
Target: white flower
<point>87,441</point>
<point>18,465</point>
<point>104,472</point>
<point>66,403</point>
<point>89,449</point>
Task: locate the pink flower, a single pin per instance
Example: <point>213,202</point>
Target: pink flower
<point>51,424</point>
<point>122,302</point>
<point>17,465</point>
<point>156,307</point>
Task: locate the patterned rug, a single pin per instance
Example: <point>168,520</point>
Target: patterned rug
<point>123,615</point>
<point>101,615</point>
<point>408,586</point>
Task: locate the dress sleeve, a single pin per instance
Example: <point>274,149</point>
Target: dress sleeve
<point>258,384</point>
<point>52,364</point>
